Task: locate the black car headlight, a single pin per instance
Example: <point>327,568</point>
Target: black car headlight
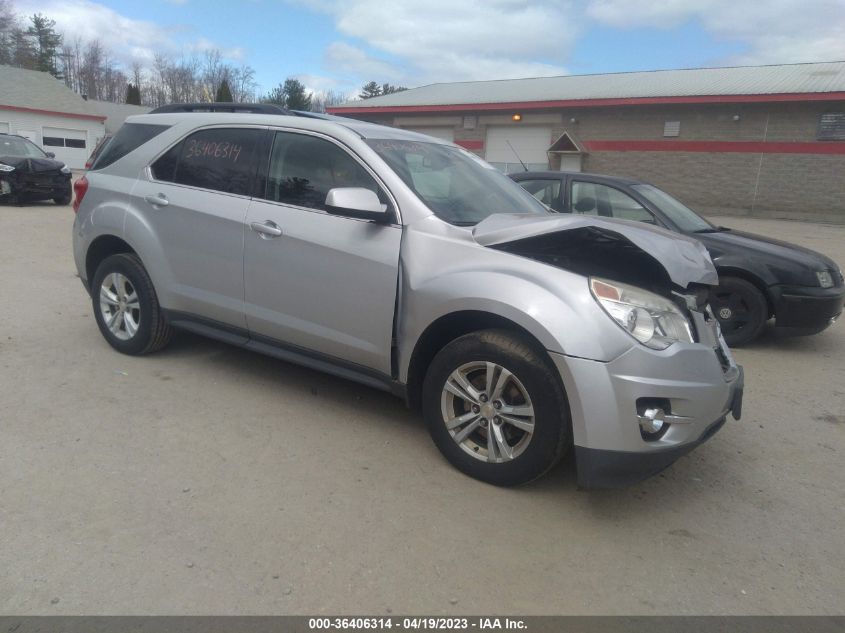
<point>825,278</point>
<point>5,169</point>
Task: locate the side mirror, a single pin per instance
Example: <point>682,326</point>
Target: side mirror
<point>51,154</point>
<point>356,202</point>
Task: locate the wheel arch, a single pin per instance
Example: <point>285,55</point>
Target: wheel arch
<point>102,247</point>
<point>446,329</point>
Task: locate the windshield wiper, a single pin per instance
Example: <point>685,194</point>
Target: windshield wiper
<point>713,229</point>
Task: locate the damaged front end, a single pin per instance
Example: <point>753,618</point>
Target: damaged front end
<point>634,414</point>
<point>637,256</point>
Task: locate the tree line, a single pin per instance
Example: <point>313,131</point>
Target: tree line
<point>90,69</point>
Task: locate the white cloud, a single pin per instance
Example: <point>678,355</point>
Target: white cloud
<point>444,40</point>
<point>775,31</point>
<point>126,38</point>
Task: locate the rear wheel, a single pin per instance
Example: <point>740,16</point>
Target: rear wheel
<point>741,309</point>
<point>495,408</point>
<point>63,200</point>
<point>126,307</point>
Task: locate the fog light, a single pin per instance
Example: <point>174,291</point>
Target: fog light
<point>652,420</point>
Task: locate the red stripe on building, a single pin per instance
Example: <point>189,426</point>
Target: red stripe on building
<point>72,115</point>
<point>582,103</point>
<point>470,144</point>
<point>744,147</point>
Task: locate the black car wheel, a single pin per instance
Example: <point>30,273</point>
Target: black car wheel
<point>495,409</point>
<point>741,309</point>
<point>64,200</point>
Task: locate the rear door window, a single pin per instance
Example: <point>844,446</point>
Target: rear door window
<point>592,198</point>
<point>220,159</point>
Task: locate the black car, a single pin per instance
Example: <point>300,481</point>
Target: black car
<point>28,173</point>
<point>759,278</point>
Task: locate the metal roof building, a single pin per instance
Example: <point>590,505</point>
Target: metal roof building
<point>761,140</point>
<point>41,108</point>
<point>788,82</point>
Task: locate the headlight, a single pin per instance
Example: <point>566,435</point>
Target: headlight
<point>6,168</point>
<point>653,320</point>
<point>825,279</point>
<point>65,169</point>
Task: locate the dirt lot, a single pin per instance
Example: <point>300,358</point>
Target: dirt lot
<point>208,480</point>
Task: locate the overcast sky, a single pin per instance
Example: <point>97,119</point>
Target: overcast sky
<point>340,44</point>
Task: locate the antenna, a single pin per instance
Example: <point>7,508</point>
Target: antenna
<point>517,155</point>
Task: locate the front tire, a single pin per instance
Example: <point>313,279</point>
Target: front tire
<point>741,309</point>
<point>495,408</point>
<point>126,306</point>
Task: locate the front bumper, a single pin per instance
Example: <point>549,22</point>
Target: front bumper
<point>697,388</point>
<point>34,186</point>
<point>614,469</point>
<point>806,310</point>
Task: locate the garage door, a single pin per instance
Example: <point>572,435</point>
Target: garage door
<point>70,146</point>
<point>4,128</point>
<point>506,145</point>
<point>444,133</point>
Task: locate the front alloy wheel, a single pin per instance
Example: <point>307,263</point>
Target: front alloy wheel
<point>487,411</point>
<point>495,407</point>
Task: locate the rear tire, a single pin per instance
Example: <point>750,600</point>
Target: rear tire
<point>506,408</point>
<point>741,309</point>
<point>126,306</point>
<point>63,201</point>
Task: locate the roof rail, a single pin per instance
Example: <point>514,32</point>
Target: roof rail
<point>246,108</point>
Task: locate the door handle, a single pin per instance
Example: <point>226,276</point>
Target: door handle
<point>157,201</point>
<point>266,229</point>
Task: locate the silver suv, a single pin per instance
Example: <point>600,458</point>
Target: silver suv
<point>408,264</point>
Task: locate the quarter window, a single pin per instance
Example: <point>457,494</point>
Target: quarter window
<point>221,159</point>
<point>128,138</point>
<point>304,168</point>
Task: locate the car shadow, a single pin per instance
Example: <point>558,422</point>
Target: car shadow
<point>773,339</point>
<point>258,367</point>
<point>705,467</point>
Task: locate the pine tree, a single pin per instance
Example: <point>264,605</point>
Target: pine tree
<point>224,93</point>
<point>46,42</point>
<point>133,94</point>
<point>295,96</point>
<point>369,90</point>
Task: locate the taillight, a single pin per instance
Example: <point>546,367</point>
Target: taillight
<point>80,188</point>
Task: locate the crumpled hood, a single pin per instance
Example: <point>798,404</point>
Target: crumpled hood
<point>685,260</point>
<point>35,165</point>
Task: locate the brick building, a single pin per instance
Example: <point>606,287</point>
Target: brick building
<point>764,141</point>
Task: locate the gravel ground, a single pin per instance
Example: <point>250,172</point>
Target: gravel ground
<point>209,480</point>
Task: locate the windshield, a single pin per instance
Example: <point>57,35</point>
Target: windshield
<point>457,185</point>
<point>687,220</point>
<point>20,147</point>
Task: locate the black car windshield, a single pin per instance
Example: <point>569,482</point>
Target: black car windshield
<point>687,220</point>
<point>457,185</point>
<point>20,147</point>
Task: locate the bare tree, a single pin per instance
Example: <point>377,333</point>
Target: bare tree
<point>322,100</point>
